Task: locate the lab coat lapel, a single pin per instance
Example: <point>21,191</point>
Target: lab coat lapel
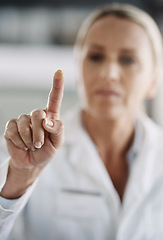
<point>146,172</point>
<point>147,167</point>
<point>85,158</point>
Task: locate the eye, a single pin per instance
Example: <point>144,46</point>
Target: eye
<point>96,57</point>
<point>127,60</point>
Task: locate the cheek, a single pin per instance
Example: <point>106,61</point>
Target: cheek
<point>85,82</point>
<point>136,89</point>
<point>88,74</point>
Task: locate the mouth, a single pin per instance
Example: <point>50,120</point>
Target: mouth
<point>107,93</point>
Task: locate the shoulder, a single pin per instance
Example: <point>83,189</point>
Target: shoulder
<point>153,144</point>
<point>152,130</point>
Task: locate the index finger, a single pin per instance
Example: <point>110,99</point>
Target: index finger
<point>55,96</point>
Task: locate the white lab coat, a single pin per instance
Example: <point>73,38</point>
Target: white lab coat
<point>74,198</point>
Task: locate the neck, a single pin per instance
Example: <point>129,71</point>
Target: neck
<point>112,137</point>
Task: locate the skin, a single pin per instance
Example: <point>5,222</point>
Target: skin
<point>117,74</point>
<point>32,142</point>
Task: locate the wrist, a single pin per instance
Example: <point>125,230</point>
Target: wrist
<point>18,181</point>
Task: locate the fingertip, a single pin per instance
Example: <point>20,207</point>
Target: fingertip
<point>53,126</point>
<point>49,123</point>
<point>58,74</point>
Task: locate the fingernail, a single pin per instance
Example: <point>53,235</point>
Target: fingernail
<point>49,123</point>
<point>25,148</point>
<point>33,149</point>
<point>58,74</point>
<point>38,144</point>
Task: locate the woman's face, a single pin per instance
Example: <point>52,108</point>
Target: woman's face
<point>116,68</point>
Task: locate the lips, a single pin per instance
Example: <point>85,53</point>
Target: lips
<point>107,93</point>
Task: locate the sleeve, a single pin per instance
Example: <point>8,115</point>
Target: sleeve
<point>9,209</point>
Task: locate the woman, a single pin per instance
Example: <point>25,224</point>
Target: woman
<point>106,181</point>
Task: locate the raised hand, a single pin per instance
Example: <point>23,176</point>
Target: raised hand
<point>34,139</point>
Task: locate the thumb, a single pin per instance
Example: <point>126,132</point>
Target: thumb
<point>55,128</point>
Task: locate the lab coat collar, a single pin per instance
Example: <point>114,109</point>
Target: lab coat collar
<point>144,172</point>
<point>145,176</point>
<point>147,168</point>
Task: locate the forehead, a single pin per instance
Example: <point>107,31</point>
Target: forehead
<point>112,31</point>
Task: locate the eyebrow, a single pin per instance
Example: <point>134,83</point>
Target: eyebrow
<point>128,50</point>
<point>97,46</point>
<point>123,50</point>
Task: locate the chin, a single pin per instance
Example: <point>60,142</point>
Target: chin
<point>108,113</point>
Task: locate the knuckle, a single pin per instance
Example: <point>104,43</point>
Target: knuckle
<point>37,113</point>
<point>22,116</point>
<point>12,134</point>
<point>5,134</point>
<point>59,127</point>
<point>24,130</point>
<point>10,129</point>
<point>10,123</point>
<point>54,100</point>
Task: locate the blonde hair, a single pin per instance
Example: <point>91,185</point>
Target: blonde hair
<point>131,13</point>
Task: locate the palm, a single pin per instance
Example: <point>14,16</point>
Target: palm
<point>28,159</point>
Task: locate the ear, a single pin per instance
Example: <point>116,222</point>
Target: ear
<point>152,91</point>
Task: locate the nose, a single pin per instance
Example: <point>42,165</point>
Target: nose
<point>111,72</point>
